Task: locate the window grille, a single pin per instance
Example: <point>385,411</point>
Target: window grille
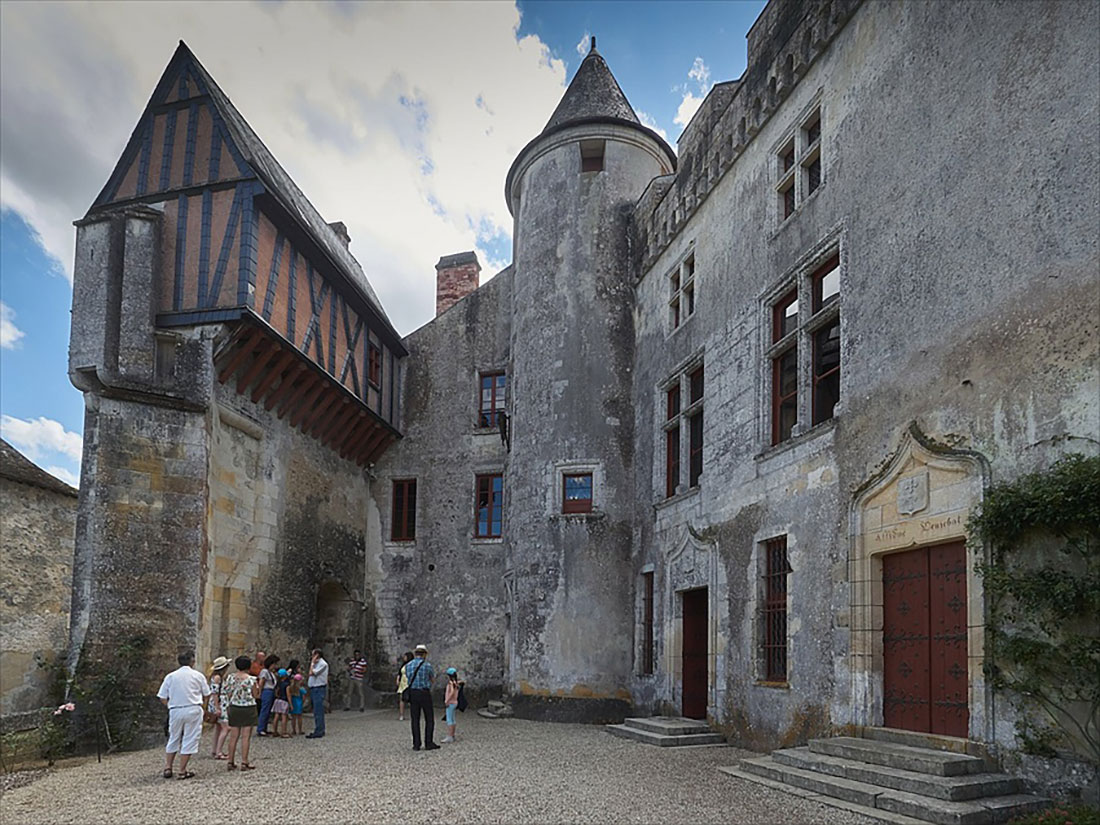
<point>775,610</point>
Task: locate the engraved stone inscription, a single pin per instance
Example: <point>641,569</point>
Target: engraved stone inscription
<point>913,493</point>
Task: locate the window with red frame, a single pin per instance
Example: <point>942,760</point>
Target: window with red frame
<point>576,493</point>
<point>785,368</point>
<point>374,365</point>
<point>647,623</point>
<point>695,428</point>
<point>672,441</point>
<point>826,342</point>
<point>774,625</point>
<point>490,506</point>
<point>492,397</point>
<point>403,521</point>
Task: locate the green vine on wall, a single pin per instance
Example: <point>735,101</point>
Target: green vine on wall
<point>1042,581</point>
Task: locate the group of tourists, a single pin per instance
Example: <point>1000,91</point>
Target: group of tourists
<point>237,699</point>
<point>258,692</point>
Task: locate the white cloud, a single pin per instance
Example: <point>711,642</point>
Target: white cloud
<point>69,477</point>
<point>367,105</point>
<point>10,334</point>
<point>583,43</point>
<point>43,439</point>
<point>648,120</point>
<point>690,102</point>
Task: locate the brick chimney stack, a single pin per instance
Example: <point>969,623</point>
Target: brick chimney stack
<point>342,231</point>
<point>455,278</point>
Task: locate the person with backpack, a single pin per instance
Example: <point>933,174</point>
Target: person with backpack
<point>419,697</point>
<point>453,699</point>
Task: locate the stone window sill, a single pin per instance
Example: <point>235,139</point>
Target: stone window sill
<point>595,515</point>
<point>487,540</point>
<point>676,499</point>
<point>796,440</point>
<point>778,685</point>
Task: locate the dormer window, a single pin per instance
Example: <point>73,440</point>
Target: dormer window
<point>592,155</point>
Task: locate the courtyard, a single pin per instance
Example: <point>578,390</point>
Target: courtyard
<point>364,770</point>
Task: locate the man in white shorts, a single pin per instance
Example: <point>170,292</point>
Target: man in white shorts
<point>183,691</point>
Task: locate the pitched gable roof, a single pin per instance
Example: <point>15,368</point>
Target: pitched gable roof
<point>252,157</point>
<point>17,467</point>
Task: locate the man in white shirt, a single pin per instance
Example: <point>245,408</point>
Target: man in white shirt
<point>318,687</point>
<point>183,692</point>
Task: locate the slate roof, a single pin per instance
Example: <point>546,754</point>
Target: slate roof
<point>280,184</point>
<point>593,94</point>
<point>17,467</point>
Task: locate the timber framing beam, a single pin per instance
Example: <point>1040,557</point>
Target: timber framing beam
<point>284,379</point>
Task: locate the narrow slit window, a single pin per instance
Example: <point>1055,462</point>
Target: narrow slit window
<point>374,365</point>
<point>592,155</point>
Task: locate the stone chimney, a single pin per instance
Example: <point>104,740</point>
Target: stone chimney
<point>342,232</point>
<point>455,278</point>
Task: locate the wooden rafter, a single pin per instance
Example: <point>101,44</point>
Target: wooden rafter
<point>272,374</point>
<point>248,341</point>
<point>249,375</point>
<point>321,406</point>
<point>350,430</point>
<point>356,440</point>
<point>306,405</point>
<point>309,382</point>
<point>338,426</point>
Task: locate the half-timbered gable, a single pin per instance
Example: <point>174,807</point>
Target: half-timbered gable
<point>240,244</point>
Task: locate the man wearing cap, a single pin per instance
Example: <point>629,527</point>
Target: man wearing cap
<point>420,674</point>
<point>183,691</point>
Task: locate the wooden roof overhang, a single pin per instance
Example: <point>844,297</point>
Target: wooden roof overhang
<point>265,367</point>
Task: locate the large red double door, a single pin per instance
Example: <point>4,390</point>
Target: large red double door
<point>925,683</point>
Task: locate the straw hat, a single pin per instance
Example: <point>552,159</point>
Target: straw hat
<point>220,663</point>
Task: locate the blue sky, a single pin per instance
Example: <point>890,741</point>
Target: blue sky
<point>421,107</point>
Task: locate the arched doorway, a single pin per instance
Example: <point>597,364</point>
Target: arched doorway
<point>336,631</point>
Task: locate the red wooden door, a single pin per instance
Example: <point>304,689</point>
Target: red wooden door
<point>695,654</point>
<point>924,640</point>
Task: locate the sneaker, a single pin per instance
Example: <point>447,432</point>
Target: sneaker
<point>446,740</point>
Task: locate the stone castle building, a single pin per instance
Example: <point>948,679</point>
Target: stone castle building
<point>708,445</point>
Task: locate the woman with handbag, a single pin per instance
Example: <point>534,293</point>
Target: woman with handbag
<point>402,685</point>
<point>217,711</point>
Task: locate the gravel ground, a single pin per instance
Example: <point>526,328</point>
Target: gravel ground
<point>364,770</point>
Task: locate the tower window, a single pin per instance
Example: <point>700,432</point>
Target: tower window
<point>490,506</point>
<point>592,155</point>
<point>403,521</point>
<point>577,493</point>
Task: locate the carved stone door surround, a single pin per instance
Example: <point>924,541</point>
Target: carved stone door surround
<point>922,495</point>
<point>692,563</point>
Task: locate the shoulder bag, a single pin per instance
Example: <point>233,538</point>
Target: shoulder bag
<point>406,694</point>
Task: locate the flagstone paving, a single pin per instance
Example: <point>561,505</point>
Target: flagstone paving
<point>500,771</point>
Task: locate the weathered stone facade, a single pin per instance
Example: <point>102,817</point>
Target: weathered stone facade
<point>864,289</point>
<point>37,521</point>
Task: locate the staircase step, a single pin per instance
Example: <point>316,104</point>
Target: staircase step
<point>951,788</point>
<point>668,725</point>
<point>916,739</point>
<point>905,757</point>
<point>664,740</point>
<point>832,801</point>
<point>992,810</point>
<point>495,705</point>
<point>485,713</point>
<point>858,792</point>
<point>988,811</point>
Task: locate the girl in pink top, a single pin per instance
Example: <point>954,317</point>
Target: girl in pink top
<point>450,699</point>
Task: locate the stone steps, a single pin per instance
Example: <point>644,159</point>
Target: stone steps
<point>906,757</point>
<point>496,709</point>
<point>950,788</point>
<point>667,731</point>
<point>895,780</point>
<point>984,811</point>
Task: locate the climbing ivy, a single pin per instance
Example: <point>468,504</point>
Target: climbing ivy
<point>1042,581</point>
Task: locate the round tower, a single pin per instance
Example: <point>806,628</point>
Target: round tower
<point>569,493</point>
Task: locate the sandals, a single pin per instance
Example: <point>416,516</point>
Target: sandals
<point>231,766</point>
<point>222,756</point>
<point>246,767</point>
<point>167,773</point>
<point>186,775</point>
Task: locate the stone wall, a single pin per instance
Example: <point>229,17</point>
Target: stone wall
<point>37,522</point>
<point>968,306</point>
<point>447,588</point>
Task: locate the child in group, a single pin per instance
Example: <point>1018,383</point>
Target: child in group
<point>451,700</point>
<point>282,704</point>
<point>297,692</point>
<point>402,684</point>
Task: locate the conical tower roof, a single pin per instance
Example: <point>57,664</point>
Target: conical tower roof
<point>594,94</point>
